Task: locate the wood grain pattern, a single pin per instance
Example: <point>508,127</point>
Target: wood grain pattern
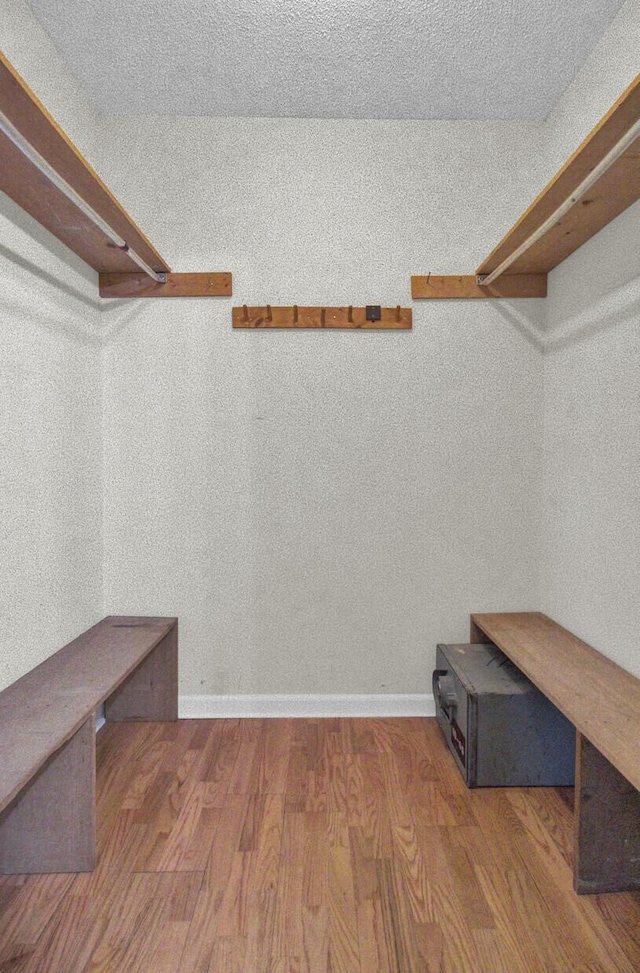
<point>42,710</point>
<point>435,287</point>
<point>150,692</point>
<point>20,180</point>
<point>345,318</point>
<point>47,727</point>
<point>276,888</point>
<point>600,698</point>
<point>208,284</point>
<point>50,827</point>
<point>616,190</point>
<point>607,839</point>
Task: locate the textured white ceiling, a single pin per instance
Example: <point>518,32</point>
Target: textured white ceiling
<point>327,58</point>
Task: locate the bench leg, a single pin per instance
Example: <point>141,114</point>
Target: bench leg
<point>51,826</point>
<point>607,825</point>
<point>151,692</point>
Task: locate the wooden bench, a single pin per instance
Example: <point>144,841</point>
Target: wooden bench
<point>602,701</point>
<point>48,733</point>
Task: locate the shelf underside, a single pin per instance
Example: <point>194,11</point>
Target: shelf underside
<point>616,190</point>
<point>30,189</point>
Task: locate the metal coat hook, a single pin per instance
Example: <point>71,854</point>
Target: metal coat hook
<point>350,315</point>
<point>269,315</point>
<point>295,313</point>
<point>245,312</point>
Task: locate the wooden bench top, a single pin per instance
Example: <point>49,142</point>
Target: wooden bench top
<point>45,707</point>
<point>600,698</point>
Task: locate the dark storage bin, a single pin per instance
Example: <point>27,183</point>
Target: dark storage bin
<point>501,730</point>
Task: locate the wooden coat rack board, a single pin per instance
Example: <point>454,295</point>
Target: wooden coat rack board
<point>617,188</point>
<point>368,318</point>
<point>29,187</point>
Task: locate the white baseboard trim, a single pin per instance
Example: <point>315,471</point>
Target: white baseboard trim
<point>212,707</point>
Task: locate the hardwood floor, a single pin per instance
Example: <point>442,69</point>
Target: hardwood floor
<point>296,846</point>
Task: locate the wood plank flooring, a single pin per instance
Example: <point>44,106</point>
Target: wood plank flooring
<point>313,846</point>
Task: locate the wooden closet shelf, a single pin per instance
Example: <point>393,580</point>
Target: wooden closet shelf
<point>616,190</point>
<point>21,177</point>
<point>597,183</point>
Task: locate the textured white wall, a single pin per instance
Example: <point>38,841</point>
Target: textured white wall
<point>320,508</point>
<point>33,54</point>
<point>609,69</point>
<point>591,542</point>
<point>591,548</point>
<point>50,405</point>
<point>50,430</point>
